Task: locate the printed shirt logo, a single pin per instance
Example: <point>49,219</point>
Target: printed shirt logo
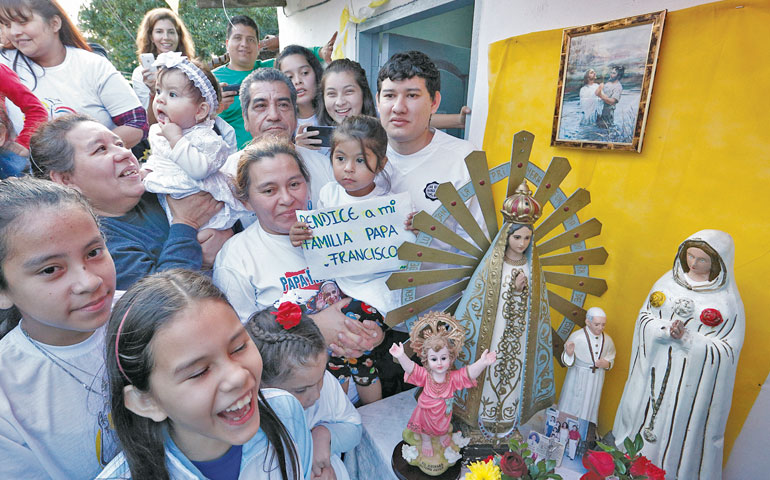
<point>430,190</point>
<point>301,280</point>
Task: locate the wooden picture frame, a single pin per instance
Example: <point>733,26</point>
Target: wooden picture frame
<point>607,109</point>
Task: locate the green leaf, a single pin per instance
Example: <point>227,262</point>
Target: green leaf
<point>629,446</point>
<point>550,465</point>
<point>604,447</point>
<point>620,466</point>
<point>534,469</point>
<point>638,442</point>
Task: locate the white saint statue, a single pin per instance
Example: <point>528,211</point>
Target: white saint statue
<point>588,353</point>
<point>684,355</point>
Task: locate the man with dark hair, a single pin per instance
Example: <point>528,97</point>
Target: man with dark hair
<point>420,158</point>
<point>243,47</point>
<point>610,93</point>
<point>269,104</point>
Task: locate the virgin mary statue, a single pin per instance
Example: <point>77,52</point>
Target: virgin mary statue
<point>684,355</point>
<point>505,309</point>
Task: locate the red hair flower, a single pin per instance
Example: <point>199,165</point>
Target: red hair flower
<point>599,465</point>
<point>710,317</point>
<point>288,315</point>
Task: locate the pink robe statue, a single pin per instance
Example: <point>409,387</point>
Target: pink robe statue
<point>433,414</point>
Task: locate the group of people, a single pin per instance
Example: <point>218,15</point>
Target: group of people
<point>199,244</point>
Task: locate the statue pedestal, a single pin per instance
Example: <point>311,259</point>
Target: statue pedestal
<point>404,471</point>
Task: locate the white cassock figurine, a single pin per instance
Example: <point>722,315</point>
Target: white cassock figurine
<point>588,352</point>
<point>684,355</point>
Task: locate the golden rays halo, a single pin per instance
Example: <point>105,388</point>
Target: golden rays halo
<point>455,268</point>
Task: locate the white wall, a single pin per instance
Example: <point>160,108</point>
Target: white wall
<point>495,20</point>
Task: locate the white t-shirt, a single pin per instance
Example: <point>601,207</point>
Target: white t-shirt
<point>141,89</point>
<point>49,423</point>
<point>255,268</point>
<point>442,160</point>
<point>334,411</point>
<point>83,83</point>
<point>370,288</point>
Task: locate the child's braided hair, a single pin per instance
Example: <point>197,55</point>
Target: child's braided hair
<point>283,349</point>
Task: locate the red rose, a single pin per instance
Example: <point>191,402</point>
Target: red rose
<point>288,315</point>
<point>655,473</point>
<point>513,465</point>
<point>599,463</point>
<point>639,467</point>
<point>710,317</point>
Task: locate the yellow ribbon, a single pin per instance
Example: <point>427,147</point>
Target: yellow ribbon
<point>345,18</point>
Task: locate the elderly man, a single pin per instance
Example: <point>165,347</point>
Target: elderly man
<point>587,354</point>
<point>269,104</point>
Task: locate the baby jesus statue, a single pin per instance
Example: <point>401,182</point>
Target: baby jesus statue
<point>437,338</point>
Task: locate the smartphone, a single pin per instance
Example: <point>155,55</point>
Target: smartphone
<point>147,59</point>
<point>324,133</point>
<point>232,88</point>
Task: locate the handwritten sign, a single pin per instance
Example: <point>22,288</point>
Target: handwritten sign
<point>358,238</point>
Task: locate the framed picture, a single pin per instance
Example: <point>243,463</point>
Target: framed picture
<point>605,83</point>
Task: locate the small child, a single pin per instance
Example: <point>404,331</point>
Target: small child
<point>186,151</point>
<point>437,338</point>
<point>359,146</point>
<point>185,388</point>
<point>14,153</point>
<point>57,282</point>
<point>294,357</point>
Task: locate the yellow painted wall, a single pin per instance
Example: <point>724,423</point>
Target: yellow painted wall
<point>705,163</point>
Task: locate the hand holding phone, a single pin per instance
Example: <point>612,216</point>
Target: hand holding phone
<point>232,88</point>
<point>147,59</point>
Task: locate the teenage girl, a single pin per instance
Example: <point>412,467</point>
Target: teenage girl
<point>184,382</point>
<point>57,281</point>
<point>294,355</point>
<point>304,70</point>
<point>345,92</point>
<point>186,151</point>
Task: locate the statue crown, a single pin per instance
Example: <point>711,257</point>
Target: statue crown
<point>521,207</point>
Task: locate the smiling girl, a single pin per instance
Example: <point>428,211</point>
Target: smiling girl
<point>57,281</point>
<point>304,70</point>
<point>173,336</point>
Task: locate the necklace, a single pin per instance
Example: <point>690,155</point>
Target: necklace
<point>53,358</point>
<point>648,433</point>
<point>515,263</point>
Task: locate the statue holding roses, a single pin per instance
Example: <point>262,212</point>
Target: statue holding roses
<point>686,344</point>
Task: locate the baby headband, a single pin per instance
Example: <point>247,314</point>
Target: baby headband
<point>177,60</point>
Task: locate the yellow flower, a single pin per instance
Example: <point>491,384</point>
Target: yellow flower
<point>483,471</point>
<point>657,299</point>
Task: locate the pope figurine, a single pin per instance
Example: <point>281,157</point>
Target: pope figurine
<point>588,353</point>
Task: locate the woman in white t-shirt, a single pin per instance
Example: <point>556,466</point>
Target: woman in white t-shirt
<point>259,266</point>
<point>54,61</point>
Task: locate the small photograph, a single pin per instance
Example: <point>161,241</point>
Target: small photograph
<point>551,422</point>
<point>328,294</point>
<point>573,438</point>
